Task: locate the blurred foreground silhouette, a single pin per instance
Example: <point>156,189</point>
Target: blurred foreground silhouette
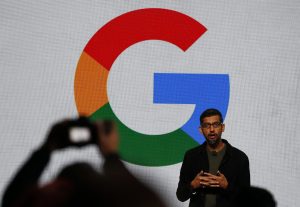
<point>79,184</point>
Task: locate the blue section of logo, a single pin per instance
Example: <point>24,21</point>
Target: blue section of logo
<point>203,90</point>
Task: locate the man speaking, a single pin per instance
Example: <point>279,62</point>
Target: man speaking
<point>212,172</point>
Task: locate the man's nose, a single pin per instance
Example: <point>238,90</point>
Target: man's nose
<point>211,128</point>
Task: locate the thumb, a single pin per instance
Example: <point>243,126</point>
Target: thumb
<point>201,172</point>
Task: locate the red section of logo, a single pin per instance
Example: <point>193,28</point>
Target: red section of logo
<point>144,24</point>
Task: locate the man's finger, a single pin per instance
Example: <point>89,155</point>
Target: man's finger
<point>206,179</point>
<point>215,178</point>
<point>220,174</point>
<point>200,173</point>
<point>204,183</point>
<point>214,183</point>
<point>211,176</point>
<point>214,186</point>
<point>208,174</point>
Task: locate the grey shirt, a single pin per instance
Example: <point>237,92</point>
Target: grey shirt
<point>214,160</point>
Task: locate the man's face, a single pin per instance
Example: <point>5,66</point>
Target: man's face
<point>212,129</point>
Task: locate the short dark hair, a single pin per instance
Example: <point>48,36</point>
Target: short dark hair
<point>210,112</point>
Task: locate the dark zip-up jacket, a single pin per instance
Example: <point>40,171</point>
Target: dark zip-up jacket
<point>234,166</point>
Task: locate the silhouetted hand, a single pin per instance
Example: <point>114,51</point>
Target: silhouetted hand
<point>108,139</point>
<point>57,136</point>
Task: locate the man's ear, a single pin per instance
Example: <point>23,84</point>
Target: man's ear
<point>200,130</point>
<point>223,127</point>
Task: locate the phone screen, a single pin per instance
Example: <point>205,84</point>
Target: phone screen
<point>79,134</point>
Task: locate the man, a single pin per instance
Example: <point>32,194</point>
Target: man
<point>213,172</point>
<point>79,184</point>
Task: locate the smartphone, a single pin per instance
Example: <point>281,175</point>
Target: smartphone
<point>80,134</point>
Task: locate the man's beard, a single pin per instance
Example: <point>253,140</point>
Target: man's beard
<point>213,143</point>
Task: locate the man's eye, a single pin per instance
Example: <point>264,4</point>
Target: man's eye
<point>217,124</point>
<point>205,125</point>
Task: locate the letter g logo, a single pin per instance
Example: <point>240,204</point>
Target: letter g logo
<point>203,90</point>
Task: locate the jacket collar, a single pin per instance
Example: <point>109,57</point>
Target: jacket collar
<point>228,147</point>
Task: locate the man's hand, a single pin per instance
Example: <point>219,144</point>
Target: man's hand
<point>57,136</point>
<point>217,181</point>
<point>200,181</point>
<point>204,179</point>
<point>108,142</point>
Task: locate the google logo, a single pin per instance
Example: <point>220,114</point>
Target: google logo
<point>202,90</point>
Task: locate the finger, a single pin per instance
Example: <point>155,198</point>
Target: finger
<point>215,178</point>
<point>207,179</point>
<point>208,174</point>
<point>200,173</point>
<point>214,183</point>
<point>215,186</point>
<point>220,174</point>
<point>211,176</point>
<point>204,179</point>
<point>204,183</point>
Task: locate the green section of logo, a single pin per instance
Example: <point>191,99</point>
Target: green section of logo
<point>148,150</point>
